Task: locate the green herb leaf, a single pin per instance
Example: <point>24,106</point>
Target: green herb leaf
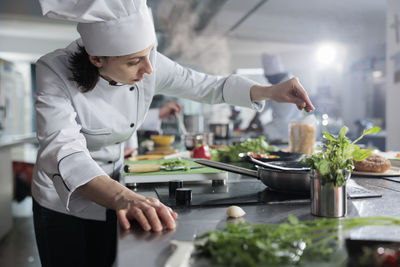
<point>170,163</point>
<point>361,154</point>
<point>372,130</point>
<point>329,136</point>
<point>342,132</point>
<point>337,155</point>
<point>290,243</point>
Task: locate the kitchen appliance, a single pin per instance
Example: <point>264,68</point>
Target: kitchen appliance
<point>245,191</point>
<point>208,138</point>
<point>191,140</point>
<point>194,123</point>
<point>297,182</point>
<point>236,193</point>
<point>221,130</point>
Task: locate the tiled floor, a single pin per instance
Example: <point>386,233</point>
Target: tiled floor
<point>18,248</point>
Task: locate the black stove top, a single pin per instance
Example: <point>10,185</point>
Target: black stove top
<point>233,193</point>
<point>247,191</point>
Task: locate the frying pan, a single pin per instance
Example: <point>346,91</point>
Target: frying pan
<point>297,182</point>
<point>279,156</point>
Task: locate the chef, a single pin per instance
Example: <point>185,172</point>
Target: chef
<point>91,97</point>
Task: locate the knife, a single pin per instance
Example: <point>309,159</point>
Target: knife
<point>136,168</point>
<point>181,255</point>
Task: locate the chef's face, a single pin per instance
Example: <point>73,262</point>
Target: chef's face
<point>128,69</point>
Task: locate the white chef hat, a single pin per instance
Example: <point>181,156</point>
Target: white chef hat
<point>272,64</point>
<point>107,28</point>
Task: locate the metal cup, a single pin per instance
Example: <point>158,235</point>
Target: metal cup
<point>328,200</point>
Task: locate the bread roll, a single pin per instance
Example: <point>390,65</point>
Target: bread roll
<point>374,163</point>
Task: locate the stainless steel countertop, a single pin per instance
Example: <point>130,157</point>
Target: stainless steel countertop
<point>139,248</point>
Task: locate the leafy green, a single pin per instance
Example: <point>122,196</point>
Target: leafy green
<point>337,155</point>
<point>293,242</point>
<point>170,163</point>
<point>256,145</point>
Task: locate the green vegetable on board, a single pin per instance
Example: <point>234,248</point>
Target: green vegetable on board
<point>337,155</point>
<point>170,163</point>
<point>293,243</point>
<point>255,145</point>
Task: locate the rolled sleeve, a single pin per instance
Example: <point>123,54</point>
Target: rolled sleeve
<point>75,170</point>
<point>237,92</point>
<point>175,80</point>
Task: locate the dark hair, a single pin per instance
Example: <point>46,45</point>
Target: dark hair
<point>84,73</point>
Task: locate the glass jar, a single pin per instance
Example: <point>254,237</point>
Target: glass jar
<point>302,136</point>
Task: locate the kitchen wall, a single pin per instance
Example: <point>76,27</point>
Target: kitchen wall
<point>393,75</point>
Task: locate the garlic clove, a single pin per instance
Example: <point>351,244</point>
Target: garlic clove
<point>235,212</point>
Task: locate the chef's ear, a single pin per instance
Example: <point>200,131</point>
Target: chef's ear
<point>97,61</point>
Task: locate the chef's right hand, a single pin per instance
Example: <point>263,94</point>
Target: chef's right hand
<point>150,213</point>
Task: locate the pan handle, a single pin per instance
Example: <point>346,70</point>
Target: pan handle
<point>272,166</point>
<point>227,167</point>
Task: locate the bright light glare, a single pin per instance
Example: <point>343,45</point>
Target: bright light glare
<point>326,54</point>
<point>377,74</point>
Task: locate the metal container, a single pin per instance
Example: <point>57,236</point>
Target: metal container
<point>221,130</point>
<point>208,139</point>
<point>327,200</point>
<point>191,140</point>
<point>194,123</point>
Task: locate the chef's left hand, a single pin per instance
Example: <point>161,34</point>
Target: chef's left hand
<point>290,91</point>
<point>141,213</point>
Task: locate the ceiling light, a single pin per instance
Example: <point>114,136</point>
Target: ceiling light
<point>326,54</point>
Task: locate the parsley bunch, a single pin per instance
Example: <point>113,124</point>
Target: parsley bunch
<point>337,155</point>
<point>290,243</point>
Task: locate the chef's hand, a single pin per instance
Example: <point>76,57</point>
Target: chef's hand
<point>130,152</point>
<point>290,91</point>
<point>170,108</point>
<point>150,213</point>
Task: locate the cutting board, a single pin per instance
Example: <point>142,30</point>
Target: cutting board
<point>199,174</point>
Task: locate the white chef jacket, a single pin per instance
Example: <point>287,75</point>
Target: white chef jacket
<point>81,135</point>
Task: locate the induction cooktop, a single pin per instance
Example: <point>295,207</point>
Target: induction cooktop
<point>233,193</point>
<point>246,191</point>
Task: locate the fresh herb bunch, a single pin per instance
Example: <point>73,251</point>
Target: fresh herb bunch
<point>293,242</point>
<point>337,155</point>
<point>255,145</point>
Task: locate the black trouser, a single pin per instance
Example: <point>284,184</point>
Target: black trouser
<point>65,240</point>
